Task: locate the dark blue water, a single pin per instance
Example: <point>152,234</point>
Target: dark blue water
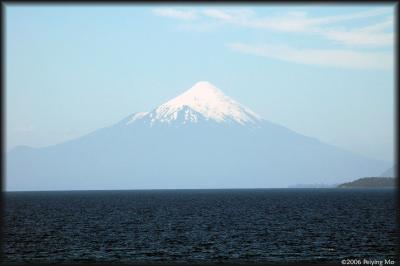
<point>190,226</point>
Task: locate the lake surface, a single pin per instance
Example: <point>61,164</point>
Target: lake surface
<point>191,226</point>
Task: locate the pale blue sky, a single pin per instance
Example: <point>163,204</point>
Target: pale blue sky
<point>323,71</point>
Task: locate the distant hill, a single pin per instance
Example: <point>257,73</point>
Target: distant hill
<point>389,172</point>
<point>370,182</point>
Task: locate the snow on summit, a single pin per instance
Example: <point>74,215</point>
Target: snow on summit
<point>202,101</point>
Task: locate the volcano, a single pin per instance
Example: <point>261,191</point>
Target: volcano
<point>199,139</point>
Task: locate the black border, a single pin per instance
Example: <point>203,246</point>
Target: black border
<point>191,2</point>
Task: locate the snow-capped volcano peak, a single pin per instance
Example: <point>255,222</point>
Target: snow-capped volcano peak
<point>201,91</point>
<point>208,101</point>
<point>203,101</point>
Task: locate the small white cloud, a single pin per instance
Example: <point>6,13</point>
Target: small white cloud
<point>226,15</point>
<point>321,57</point>
<point>351,16</point>
<point>372,35</point>
<point>217,14</point>
<point>360,38</point>
<point>175,13</point>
